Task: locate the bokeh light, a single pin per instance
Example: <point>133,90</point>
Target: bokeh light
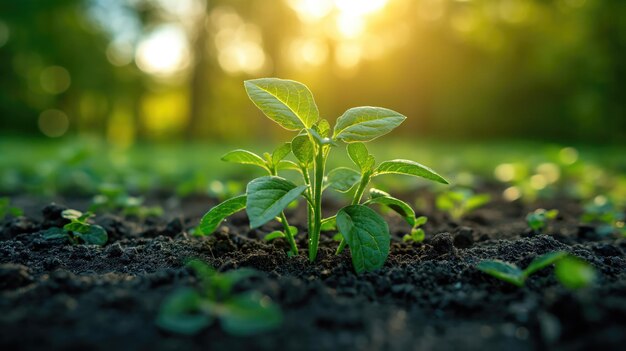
<point>53,123</point>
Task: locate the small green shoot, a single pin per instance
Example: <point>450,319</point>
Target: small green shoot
<point>572,272</point>
<point>78,230</point>
<point>113,197</point>
<point>458,203</point>
<point>417,234</point>
<point>538,219</point>
<point>291,105</point>
<point>7,209</point>
<point>189,310</point>
<point>606,216</point>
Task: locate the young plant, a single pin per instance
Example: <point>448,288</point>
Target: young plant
<point>572,272</point>
<point>7,209</point>
<point>114,198</point>
<point>78,230</point>
<point>458,203</point>
<point>538,219</point>
<point>607,217</point>
<point>188,311</point>
<point>291,105</point>
<point>417,234</point>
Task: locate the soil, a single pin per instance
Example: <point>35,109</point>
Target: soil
<point>429,296</point>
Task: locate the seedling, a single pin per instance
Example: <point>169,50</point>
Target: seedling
<point>417,234</point>
<point>7,209</point>
<point>78,230</point>
<point>607,217</point>
<point>188,311</point>
<point>291,105</point>
<point>538,219</point>
<point>114,198</point>
<point>460,202</point>
<point>572,272</point>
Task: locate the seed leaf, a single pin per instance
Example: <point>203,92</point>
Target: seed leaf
<point>180,313</point>
<point>409,168</point>
<point>249,313</point>
<point>574,273</point>
<point>244,157</point>
<point>367,235</point>
<point>503,271</point>
<point>329,224</point>
<point>217,214</point>
<point>543,261</point>
<point>302,148</point>
<point>93,235</point>
<point>71,214</point>
<point>286,102</point>
<point>366,123</point>
<point>268,196</point>
<point>397,205</point>
<point>343,179</point>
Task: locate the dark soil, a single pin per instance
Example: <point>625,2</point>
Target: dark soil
<point>429,296</point>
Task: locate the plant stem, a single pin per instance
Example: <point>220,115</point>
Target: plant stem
<point>314,236</point>
<point>365,179</point>
<point>309,206</point>
<point>288,234</point>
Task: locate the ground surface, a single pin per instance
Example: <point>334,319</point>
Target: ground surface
<point>429,296</point>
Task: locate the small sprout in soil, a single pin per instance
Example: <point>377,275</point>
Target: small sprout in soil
<point>572,272</point>
<point>417,234</point>
<point>113,197</point>
<point>291,105</point>
<point>7,209</point>
<point>538,219</point>
<point>606,216</point>
<point>241,313</point>
<point>458,203</point>
<point>78,230</point>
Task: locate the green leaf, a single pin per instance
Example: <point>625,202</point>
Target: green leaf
<point>217,214</point>
<point>343,179</point>
<point>366,123</point>
<point>287,165</point>
<point>249,313</point>
<point>245,157</point>
<point>55,233</point>
<point>374,193</point>
<point>367,235</point>
<point>268,196</point>
<point>408,167</point>
<point>417,235</point>
<point>503,271</point>
<point>574,273</point>
<point>281,152</point>
<point>421,220</point>
<point>180,313</point>
<point>552,214</point>
<point>302,148</point>
<point>286,102</point>
<point>322,128</point>
<point>397,205</point>
<point>543,261</point>
<point>477,201</point>
<point>360,156</point>
<point>274,235</point>
<point>94,235</point>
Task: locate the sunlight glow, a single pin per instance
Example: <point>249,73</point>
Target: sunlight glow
<point>239,44</point>
<point>164,52</point>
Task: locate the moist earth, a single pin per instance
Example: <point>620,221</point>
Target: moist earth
<point>428,296</point>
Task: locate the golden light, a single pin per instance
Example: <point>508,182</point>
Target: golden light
<point>239,44</point>
<point>311,10</point>
<point>164,52</point>
<point>313,52</point>
<point>361,7</point>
